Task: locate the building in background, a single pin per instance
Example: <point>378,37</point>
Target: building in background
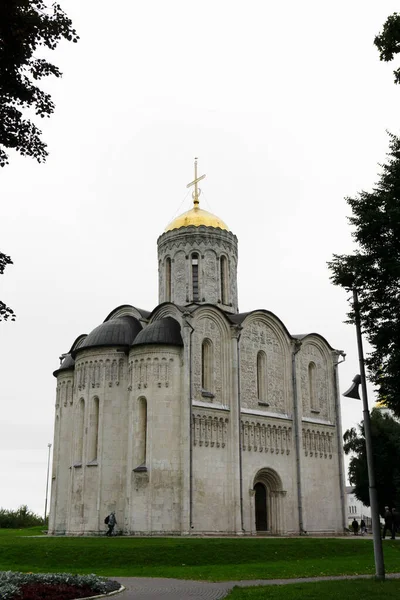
<point>357,510</point>
<point>195,418</point>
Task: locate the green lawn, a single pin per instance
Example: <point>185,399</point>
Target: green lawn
<point>215,559</point>
<point>328,590</point>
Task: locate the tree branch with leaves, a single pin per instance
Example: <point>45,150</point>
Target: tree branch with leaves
<point>385,431</point>
<point>374,270</point>
<point>5,311</point>
<point>26,25</point>
<point>388,41</point>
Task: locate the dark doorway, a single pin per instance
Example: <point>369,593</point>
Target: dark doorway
<point>261,507</point>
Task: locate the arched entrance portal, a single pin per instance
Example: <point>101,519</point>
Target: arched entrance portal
<point>261,507</point>
<point>268,502</point>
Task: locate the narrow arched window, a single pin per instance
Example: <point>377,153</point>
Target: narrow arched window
<point>262,376</point>
<point>93,430</point>
<point>141,436</point>
<point>312,373</point>
<point>195,277</point>
<point>168,280</point>
<point>207,366</point>
<point>224,281</point>
<point>79,431</point>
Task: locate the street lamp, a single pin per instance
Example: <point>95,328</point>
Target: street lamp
<point>352,392</point>
<point>47,481</point>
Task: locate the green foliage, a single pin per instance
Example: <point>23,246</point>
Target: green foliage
<point>26,25</point>
<point>385,432</point>
<point>20,518</point>
<point>5,311</point>
<point>361,589</point>
<point>388,42</point>
<point>374,269</point>
<point>208,559</point>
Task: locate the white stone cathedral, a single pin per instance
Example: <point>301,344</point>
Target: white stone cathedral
<point>195,418</point>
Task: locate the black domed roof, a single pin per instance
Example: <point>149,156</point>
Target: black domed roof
<point>163,331</point>
<point>115,332</point>
<point>67,363</point>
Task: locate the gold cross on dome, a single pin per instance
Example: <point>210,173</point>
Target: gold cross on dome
<point>197,191</point>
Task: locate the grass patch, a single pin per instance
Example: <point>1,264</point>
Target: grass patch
<point>37,530</point>
<point>208,559</point>
<point>328,590</point>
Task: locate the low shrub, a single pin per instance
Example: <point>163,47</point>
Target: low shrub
<point>20,518</point>
<point>24,586</point>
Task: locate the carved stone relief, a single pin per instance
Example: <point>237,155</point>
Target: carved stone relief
<point>310,353</point>
<point>209,431</point>
<point>179,278</point>
<point>93,373</point>
<point>317,444</point>
<point>255,337</point>
<point>210,276</point>
<point>150,369</point>
<point>264,437</point>
<point>208,328</point>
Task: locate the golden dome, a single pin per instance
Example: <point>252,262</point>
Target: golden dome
<point>196,216</point>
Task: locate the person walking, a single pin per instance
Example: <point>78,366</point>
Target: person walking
<point>388,522</point>
<point>363,528</point>
<point>355,526</point>
<point>111,522</point>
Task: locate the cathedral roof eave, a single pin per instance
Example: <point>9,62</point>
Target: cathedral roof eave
<point>179,307</point>
<point>68,364</point>
<point>119,310</point>
<point>302,336</point>
<point>239,318</point>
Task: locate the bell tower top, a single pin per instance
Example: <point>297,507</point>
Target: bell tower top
<point>197,258</point>
<point>196,216</point>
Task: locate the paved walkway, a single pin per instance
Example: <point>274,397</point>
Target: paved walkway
<point>149,588</point>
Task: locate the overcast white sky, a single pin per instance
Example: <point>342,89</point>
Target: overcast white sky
<point>285,104</point>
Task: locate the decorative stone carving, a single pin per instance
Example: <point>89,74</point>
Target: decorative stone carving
<point>209,431</point>
<point>264,437</point>
<point>312,354</point>
<point>317,443</point>
<point>207,328</point>
<point>152,369</point>
<point>256,337</point>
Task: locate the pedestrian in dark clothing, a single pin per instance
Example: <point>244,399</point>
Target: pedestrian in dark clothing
<point>363,528</point>
<point>355,526</point>
<point>395,522</point>
<point>111,521</point>
<point>388,522</point>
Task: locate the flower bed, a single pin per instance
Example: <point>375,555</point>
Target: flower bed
<point>52,586</point>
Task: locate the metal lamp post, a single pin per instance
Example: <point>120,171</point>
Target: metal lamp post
<point>47,481</point>
<point>353,393</point>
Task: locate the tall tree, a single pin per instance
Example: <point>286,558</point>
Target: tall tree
<point>385,431</point>
<point>5,311</point>
<point>25,25</point>
<point>374,269</point>
<point>388,41</point>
